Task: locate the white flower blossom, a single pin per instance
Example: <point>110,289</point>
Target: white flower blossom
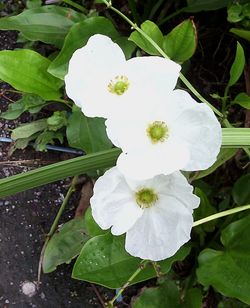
<point>171,132</point>
<point>102,83</point>
<point>155,214</point>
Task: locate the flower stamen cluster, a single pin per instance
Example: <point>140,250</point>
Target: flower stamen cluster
<point>119,85</point>
<point>146,197</point>
<point>157,131</point>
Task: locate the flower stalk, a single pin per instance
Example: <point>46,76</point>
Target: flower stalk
<point>221,214</point>
<point>55,223</point>
<point>132,277</point>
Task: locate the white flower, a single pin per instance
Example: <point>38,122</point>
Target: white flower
<point>102,82</point>
<point>156,214</point>
<point>172,132</point>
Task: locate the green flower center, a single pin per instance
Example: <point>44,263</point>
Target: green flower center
<point>157,131</point>
<point>146,197</point>
<point>119,85</point>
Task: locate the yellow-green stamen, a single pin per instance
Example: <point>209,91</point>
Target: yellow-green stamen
<point>118,85</point>
<point>157,131</point>
<point>146,197</point>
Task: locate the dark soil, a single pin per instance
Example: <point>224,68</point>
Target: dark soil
<point>25,220</point>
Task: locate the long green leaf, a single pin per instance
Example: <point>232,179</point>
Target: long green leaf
<point>237,67</point>
<point>245,34</point>
<point>235,137</point>
<point>57,171</point>
<point>232,137</point>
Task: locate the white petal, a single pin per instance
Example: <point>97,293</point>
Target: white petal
<point>179,187</point>
<point>156,73</point>
<point>141,165</point>
<point>89,71</point>
<point>199,128</point>
<point>128,135</point>
<point>113,203</point>
<point>161,230</point>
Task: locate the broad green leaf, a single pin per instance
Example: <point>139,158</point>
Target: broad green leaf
<point>241,190</point>
<point>87,134</point>
<point>49,24</point>
<point>228,270</point>
<point>77,38</point>
<point>57,171</point>
<point>223,156</point>
<point>65,244</point>
<point>205,5</point>
<point>29,102</point>
<point>165,295</point>
<point>27,130</point>
<point>180,43</point>
<point>26,70</point>
<point>237,66</point>
<point>13,112</point>
<point>245,34</point>
<point>192,299</point>
<point>103,260</point>
<point>91,226</point>
<point>243,100</point>
<point>33,103</point>
<point>152,30</point>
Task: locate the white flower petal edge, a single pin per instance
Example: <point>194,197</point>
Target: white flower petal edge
<point>156,214</point>
<point>141,165</point>
<point>84,80</point>
<point>104,84</point>
<point>199,128</point>
<point>112,203</point>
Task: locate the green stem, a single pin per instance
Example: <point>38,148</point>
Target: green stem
<point>76,5</point>
<point>224,100</point>
<point>158,48</point>
<point>55,224</point>
<point>62,207</point>
<point>221,214</point>
<point>131,278</point>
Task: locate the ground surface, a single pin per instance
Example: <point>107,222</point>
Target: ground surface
<point>25,218</point>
